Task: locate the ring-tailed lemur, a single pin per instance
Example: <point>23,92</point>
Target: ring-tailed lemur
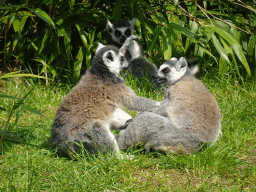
<point>93,106</point>
<point>139,66</point>
<point>188,117</point>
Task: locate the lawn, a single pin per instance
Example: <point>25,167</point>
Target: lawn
<point>27,163</point>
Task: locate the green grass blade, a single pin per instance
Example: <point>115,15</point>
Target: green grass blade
<point>32,110</point>
<point>9,96</point>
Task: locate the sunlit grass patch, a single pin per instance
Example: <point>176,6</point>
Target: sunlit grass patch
<point>28,162</point>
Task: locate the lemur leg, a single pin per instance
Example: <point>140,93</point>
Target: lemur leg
<point>158,133</point>
<point>99,138</point>
<point>119,119</point>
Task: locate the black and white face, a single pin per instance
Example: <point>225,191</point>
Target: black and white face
<point>114,61</point>
<point>171,71</point>
<point>120,34</point>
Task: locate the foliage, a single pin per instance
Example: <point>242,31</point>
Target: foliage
<point>57,38</point>
<point>18,102</point>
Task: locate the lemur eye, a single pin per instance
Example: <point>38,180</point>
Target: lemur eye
<point>118,33</point>
<point>128,33</point>
<point>110,56</point>
<point>165,70</point>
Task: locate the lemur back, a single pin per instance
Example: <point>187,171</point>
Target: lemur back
<point>94,105</point>
<point>188,117</point>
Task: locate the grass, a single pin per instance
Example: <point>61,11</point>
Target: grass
<point>27,162</point>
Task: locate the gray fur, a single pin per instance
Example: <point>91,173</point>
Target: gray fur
<point>94,106</point>
<point>139,66</point>
<point>188,117</point>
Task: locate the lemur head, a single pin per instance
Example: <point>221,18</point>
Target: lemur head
<point>120,30</point>
<point>109,59</point>
<point>171,71</point>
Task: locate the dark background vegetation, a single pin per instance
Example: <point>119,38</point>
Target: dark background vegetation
<point>57,38</point>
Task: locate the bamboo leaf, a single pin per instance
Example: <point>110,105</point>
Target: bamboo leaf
<point>153,11</point>
<point>15,40</point>
<point>220,49</point>
<point>43,15</point>
<point>82,36</point>
<point>117,11</point>
<point>156,34</point>
<point>46,36</point>
<point>16,23</point>
<point>167,45</point>
<point>185,31</point>
<point>209,53</point>
<point>78,65</point>
<point>22,23</point>
<point>239,52</point>
<point>222,65</point>
<point>251,45</point>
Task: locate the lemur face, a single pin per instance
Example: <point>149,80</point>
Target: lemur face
<point>114,61</point>
<point>112,57</point>
<point>171,71</point>
<point>120,30</point>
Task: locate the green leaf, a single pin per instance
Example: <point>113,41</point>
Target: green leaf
<point>185,31</point>
<point>43,15</point>
<point>12,7</point>
<point>239,52</point>
<point>78,65</point>
<point>208,52</point>
<point>153,11</point>
<point>16,23</point>
<point>46,36</point>
<point>222,65</point>
<point>117,11</point>
<point>22,23</point>
<point>156,34</point>
<point>82,36</point>
<point>167,45</point>
<point>2,109</point>
<point>220,49</point>
<point>32,110</point>
<point>9,96</point>
<point>16,38</point>
<point>15,74</point>
<point>251,45</point>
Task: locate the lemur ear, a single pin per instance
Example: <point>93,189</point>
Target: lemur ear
<point>109,27</point>
<point>133,21</point>
<point>100,45</point>
<point>174,59</point>
<point>181,64</point>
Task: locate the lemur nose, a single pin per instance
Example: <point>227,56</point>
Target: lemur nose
<point>123,38</point>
